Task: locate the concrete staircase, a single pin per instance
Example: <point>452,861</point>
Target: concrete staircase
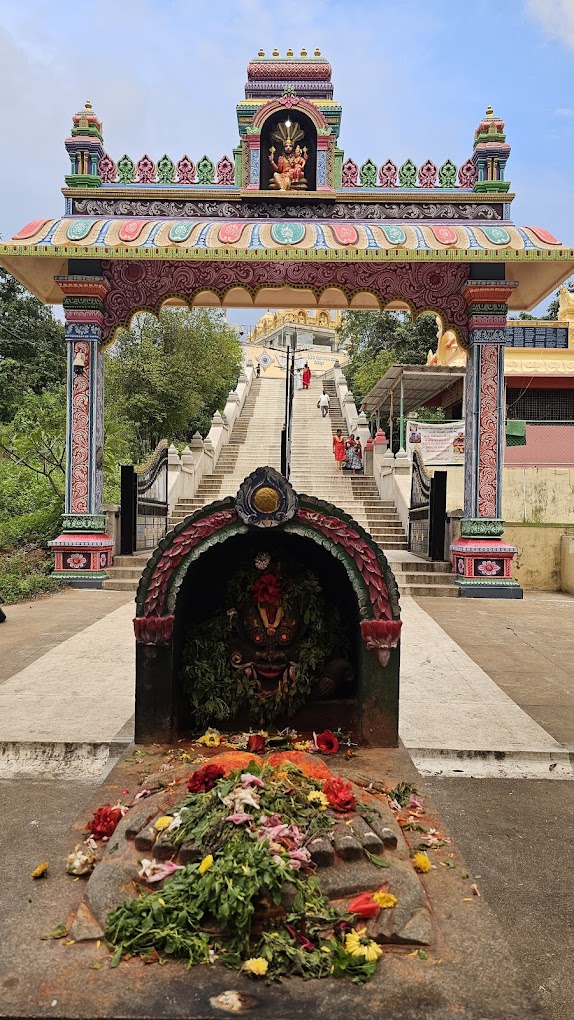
<point>255,441</point>
<point>313,470</point>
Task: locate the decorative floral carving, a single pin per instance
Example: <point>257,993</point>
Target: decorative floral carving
<point>80,425</point>
<point>153,630</point>
<point>343,534</point>
<point>368,174</point>
<point>225,171</point>
<point>350,172</point>
<point>381,636</point>
<point>205,171</point>
<point>135,285</point>
<point>388,175</point>
<point>165,170</point>
<point>488,568</point>
<point>427,175</point>
<point>76,561</point>
<point>447,175</point>
<point>146,171</point>
<point>126,170</point>
<point>408,175</point>
<point>488,435</point>
<point>310,210</point>
<point>185,171</point>
<point>107,169</point>
<point>467,174</point>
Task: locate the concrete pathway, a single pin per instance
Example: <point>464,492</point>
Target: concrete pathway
<point>72,707</point>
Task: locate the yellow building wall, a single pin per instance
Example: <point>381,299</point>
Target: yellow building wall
<point>537,563</point>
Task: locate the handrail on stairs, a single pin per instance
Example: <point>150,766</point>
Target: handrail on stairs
<point>287,428</point>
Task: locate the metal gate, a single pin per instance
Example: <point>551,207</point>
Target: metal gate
<point>427,515</point>
<point>143,496</point>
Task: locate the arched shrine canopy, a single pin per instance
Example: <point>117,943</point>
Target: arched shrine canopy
<point>288,220</point>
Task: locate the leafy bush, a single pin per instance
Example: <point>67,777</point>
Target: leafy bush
<point>25,573</point>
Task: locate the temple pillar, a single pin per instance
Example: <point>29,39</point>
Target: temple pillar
<point>480,557</point>
<point>84,550</point>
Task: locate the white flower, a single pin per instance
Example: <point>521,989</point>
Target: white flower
<point>239,798</point>
<point>80,862</point>
<point>262,561</point>
<point>175,822</point>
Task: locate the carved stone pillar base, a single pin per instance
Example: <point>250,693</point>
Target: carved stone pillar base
<point>83,551</point>
<point>482,561</point>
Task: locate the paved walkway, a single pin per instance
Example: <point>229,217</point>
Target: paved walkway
<point>67,686</point>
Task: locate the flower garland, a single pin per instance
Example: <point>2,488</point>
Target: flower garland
<point>217,692</point>
<point>250,829</point>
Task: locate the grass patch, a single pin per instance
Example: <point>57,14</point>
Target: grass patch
<point>25,573</point>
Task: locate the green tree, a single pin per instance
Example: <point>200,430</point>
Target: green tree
<point>166,377</point>
<point>32,346</point>
<point>377,340</point>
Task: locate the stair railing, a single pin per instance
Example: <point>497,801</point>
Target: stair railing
<point>143,494</point>
<point>427,514</point>
<point>287,429</point>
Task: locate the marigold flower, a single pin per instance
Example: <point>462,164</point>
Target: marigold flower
<point>163,822</point>
<point>318,797</point>
<point>385,900</point>
<point>211,738</point>
<point>206,864</point>
<point>421,863</point>
<point>41,870</point>
<point>256,965</point>
<point>301,745</point>
<point>357,943</point>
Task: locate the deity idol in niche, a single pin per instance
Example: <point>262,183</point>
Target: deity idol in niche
<point>290,166</point>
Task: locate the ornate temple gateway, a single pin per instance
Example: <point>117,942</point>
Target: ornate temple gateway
<point>289,221</point>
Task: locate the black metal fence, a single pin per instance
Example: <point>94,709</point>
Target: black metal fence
<point>427,515</point>
<point>143,496</point>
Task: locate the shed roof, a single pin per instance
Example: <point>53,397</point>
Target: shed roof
<point>420,384</point>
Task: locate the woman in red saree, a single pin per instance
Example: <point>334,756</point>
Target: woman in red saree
<point>306,377</point>
<point>339,449</point>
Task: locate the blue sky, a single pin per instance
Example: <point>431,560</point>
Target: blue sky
<point>413,78</point>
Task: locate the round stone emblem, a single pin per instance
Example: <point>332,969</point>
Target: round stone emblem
<point>266,499</point>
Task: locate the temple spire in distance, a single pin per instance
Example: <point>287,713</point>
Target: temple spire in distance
<point>85,148</point>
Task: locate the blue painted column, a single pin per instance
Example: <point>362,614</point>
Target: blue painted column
<point>481,559</point>
<point>83,550</point>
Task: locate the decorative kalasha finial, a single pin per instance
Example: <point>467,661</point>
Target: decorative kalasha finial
<point>85,149</point>
<point>261,53</point>
<point>490,154</point>
<point>317,52</point>
<point>289,52</point>
<point>266,499</point>
<point>275,52</point>
<point>303,52</point>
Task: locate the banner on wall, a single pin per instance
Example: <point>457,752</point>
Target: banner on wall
<point>439,444</point>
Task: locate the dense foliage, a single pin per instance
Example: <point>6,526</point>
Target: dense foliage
<point>166,377</point>
<point>377,340</point>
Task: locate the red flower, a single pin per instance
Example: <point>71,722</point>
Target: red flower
<point>327,742</point>
<point>104,821</point>
<point>205,778</point>
<point>339,794</point>
<point>364,906</point>
<point>256,742</point>
<point>267,589</point>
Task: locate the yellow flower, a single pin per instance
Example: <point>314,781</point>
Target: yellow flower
<point>421,863</point>
<point>357,943</point>
<point>41,870</point>
<point>206,864</point>
<point>301,745</point>
<point>319,798</point>
<point>385,899</point>
<point>163,822</point>
<point>211,738</point>
<point>256,965</point>
<point>325,949</point>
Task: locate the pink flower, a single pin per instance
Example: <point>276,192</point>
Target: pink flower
<point>248,780</point>
<point>488,567</point>
<point>299,858</point>
<point>239,818</point>
<point>414,803</point>
<point>156,871</point>
<point>76,560</point>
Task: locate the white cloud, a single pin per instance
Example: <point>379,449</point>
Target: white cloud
<point>556,18</point>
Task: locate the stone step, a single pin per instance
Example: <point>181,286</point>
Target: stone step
<point>138,560</point>
<point>422,566</point>
<point>421,577</point>
<point>430,590</point>
<point>120,584</point>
